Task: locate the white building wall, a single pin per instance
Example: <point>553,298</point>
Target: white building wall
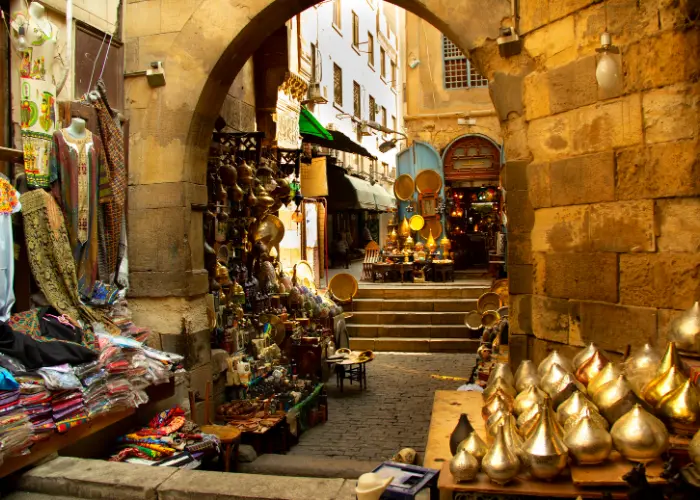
<point>336,46</point>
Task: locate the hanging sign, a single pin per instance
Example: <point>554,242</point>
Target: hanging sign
<point>314,182</point>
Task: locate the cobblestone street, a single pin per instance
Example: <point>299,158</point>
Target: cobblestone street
<point>393,413</point>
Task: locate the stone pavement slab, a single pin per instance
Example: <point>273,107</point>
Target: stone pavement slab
<point>310,466</point>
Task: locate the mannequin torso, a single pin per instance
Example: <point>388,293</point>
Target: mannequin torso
<point>76,129</point>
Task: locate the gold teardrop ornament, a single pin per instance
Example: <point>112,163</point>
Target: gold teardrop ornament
<point>526,375</point>
<point>663,385</point>
<point>592,367</point>
<point>685,330</point>
<point>475,446</point>
<point>682,405</point>
<point>609,373</point>
<point>595,416</point>
<point>497,403</point>
<point>529,397</point>
<point>498,384</point>
<point>463,466</point>
<point>615,399</point>
<point>574,405</point>
<point>669,359</point>
<point>584,355</point>
<point>494,420</point>
<point>560,384</point>
<point>501,370</point>
<point>639,436</point>
<point>500,392</point>
<point>545,452</point>
<point>588,443</point>
<point>554,358</point>
<point>500,464</point>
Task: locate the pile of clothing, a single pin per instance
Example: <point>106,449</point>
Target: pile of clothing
<point>37,402</point>
<point>15,428</point>
<point>170,440</point>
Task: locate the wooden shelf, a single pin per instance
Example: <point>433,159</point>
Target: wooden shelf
<point>59,441</point>
<point>11,155</point>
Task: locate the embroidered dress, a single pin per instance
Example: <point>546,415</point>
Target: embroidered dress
<point>37,97</point>
<point>80,183</point>
<point>9,204</point>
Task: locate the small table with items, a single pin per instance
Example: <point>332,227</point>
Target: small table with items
<point>353,367</point>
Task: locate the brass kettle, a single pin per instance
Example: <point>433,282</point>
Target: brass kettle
<point>529,397</point>
<point>682,405</point>
<point>463,466</point>
<point>584,355</point>
<point>574,405</point>
<point>554,358</point>
<point>544,451</point>
<point>591,367</point>
<point>526,375</point>
<point>609,373</point>
<point>475,446</point>
<point>500,464</point>
<point>639,436</point>
<point>501,370</point>
<point>663,384</point>
<point>685,330</point>
<point>615,399</point>
<point>588,443</point>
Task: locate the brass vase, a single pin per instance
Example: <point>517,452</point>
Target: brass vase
<point>584,355</point>
<point>461,432</point>
<point>615,399</point>
<point>463,466</point>
<point>663,385</point>
<point>554,358</point>
<point>682,405</point>
<point>501,370</point>
<point>592,367</point>
<point>544,451</point>
<point>574,405</point>
<point>475,446</point>
<point>498,384</point>
<point>684,331</point>
<point>588,443</point>
<point>639,436</point>
<point>500,464</point>
<point>526,375</point>
<point>497,403</point>
<point>529,397</point>
<point>609,373</point>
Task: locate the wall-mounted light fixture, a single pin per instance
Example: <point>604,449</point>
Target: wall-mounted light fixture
<point>607,72</point>
<point>155,74</point>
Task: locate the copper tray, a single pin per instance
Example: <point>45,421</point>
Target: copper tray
<point>404,187</point>
<point>436,227</point>
<point>343,287</point>
<point>428,181</point>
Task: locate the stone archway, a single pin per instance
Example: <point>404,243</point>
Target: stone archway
<point>579,159</point>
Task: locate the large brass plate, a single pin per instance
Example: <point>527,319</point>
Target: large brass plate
<point>489,301</point>
<point>270,231</point>
<point>432,224</point>
<point>416,223</point>
<point>343,287</point>
<point>304,275</point>
<point>428,181</point>
<point>404,187</point>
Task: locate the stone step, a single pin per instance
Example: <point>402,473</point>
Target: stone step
<point>419,344</point>
<point>417,305</point>
<point>299,465</point>
<point>409,331</point>
<point>407,291</point>
<point>406,318</point>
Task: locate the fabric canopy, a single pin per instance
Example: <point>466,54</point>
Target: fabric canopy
<point>385,202</point>
<point>352,193</point>
<point>363,192</point>
<point>340,141</point>
<point>310,126</point>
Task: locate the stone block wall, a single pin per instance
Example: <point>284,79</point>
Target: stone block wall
<point>604,240</point>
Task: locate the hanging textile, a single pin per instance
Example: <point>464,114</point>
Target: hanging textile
<point>50,256</point>
<point>80,183</point>
<point>9,204</point>
<point>37,96</point>
<point>113,141</point>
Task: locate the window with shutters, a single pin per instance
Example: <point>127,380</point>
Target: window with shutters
<point>370,49</point>
<point>382,61</point>
<point>355,30</point>
<point>337,85</point>
<point>393,123</point>
<point>372,109</point>
<point>337,17</point>
<point>383,116</point>
<point>457,70</point>
<point>357,100</point>
<point>393,74</point>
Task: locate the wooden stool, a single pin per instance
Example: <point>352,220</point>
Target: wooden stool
<point>230,437</point>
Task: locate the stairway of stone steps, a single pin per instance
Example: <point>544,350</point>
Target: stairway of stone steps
<point>414,318</point>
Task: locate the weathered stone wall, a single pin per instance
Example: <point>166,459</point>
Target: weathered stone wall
<point>602,189</point>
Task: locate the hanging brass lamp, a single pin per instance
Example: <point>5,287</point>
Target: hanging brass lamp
<point>639,436</point>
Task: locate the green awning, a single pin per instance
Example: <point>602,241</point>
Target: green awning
<point>309,125</point>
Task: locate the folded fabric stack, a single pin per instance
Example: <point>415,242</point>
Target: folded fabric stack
<point>94,380</point>
<point>15,428</point>
<point>119,391</point>
<point>39,410</point>
<point>68,409</point>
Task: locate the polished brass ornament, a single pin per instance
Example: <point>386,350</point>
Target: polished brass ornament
<point>615,399</point>
<point>506,396</point>
<point>669,359</point>
<point>510,433</point>
<point>685,330</point>
<point>501,370</point>
<point>694,450</point>
<point>527,420</point>
<point>497,403</point>
<point>594,415</point>
<point>584,355</point>
<point>639,436</point>
<point>574,405</point>
<point>588,443</point>
<point>494,420</point>
<point>662,385</point>
<point>498,384</point>
<point>544,451</point>
<point>475,446</point>
<point>554,358</point>
<point>682,405</point>
<point>526,375</point>
<point>559,384</point>
<point>529,397</point>
<point>592,367</point>
<point>464,466</point>
<point>609,373</point>
<point>500,464</point>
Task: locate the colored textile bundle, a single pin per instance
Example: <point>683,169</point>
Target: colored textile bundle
<point>15,428</point>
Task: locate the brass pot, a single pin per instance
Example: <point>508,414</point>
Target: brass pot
<point>554,358</point>
<point>584,355</point>
<point>496,385</point>
<point>662,385</point>
<point>685,330</point>
<point>639,436</point>
<point>560,384</point>
<point>463,466</point>
<point>574,405</point>
<point>526,375</point>
<point>682,405</point>
<point>496,403</point>
<point>529,397</point>
<point>694,450</point>
<point>475,446</point>
<point>592,367</point>
<point>501,370</point>
<point>588,443</point>
<point>609,373</point>
<point>544,451</point>
<point>500,464</point>
<point>615,399</point>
